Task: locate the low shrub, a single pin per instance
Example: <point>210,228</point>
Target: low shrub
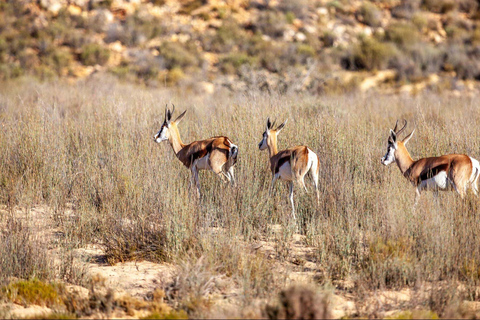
<point>406,9</point>
<point>271,23</point>
<point>440,6</point>
<point>20,256</point>
<point>299,302</point>
<point>34,291</point>
<point>458,60</point>
<point>369,14</point>
<point>230,63</point>
<point>93,54</point>
<point>403,34</point>
<point>390,264</point>
<point>175,54</point>
<point>226,38</point>
<point>369,54</point>
<point>418,62</point>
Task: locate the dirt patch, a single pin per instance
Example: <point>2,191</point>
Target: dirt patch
<point>137,278</point>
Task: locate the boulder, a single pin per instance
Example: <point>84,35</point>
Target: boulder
<point>53,6</point>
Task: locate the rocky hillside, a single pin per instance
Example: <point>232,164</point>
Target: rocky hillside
<point>303,45</point>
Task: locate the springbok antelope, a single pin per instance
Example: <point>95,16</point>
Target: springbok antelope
<point>217,154</point>
<point>289,164</point>
<point>449,172</point>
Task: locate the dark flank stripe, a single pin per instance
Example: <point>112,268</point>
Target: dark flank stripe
<point>281,162</point>
<point>430,173</point>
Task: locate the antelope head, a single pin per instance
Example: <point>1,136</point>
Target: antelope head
<point>394,144</point>
<point>270,134</point>
<point>165,131</point>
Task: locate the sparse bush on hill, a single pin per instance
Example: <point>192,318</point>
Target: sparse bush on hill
<point>464,65</point>
<point>440,6</point>
<point>134,31</point>
<point>34,41</point>
<point>232,62</point>
<point>370,14</point>
<point>175,54</point>
<point>271,23</point>
<point>369,54</point>
<point>419,61</point>
<point>404,34</point>
<point>93,54</point>
<point>405,9</point>
<point>226,38</point>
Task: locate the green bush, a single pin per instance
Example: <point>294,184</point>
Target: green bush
<point>93,54</point>
<point>369,54</point>
<point>227,37</point>
<point>271,23</point>
<point>404,34</point>
<point>10,71</point>
<point>458,60</point>
<point>440,6</point>
<point>33,292</point>
<point>179,55</point>
<point>370,14</point>
<point>468,6</point>
<point>60,60</point>
<point>420,20</point>
<point>457,34</point>
<point>418,62</point>
<point>135,30</point>
<point>231,63</point>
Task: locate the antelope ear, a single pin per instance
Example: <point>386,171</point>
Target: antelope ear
<point>166,113</point>
<point>280,127</point>
<point>179,118</point>
<point>408,137</point>
<point>393,137</point>
<point>269,124</point>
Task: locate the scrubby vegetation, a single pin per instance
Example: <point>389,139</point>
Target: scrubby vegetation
<point>83,87</point>
<point>160,43</point>
<point>86,153</point>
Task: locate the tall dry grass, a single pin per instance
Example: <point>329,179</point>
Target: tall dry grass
<point>90,147</point>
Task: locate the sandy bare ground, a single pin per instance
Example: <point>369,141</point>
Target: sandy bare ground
<point>139,279</point>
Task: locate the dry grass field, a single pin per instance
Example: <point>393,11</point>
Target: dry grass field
<point>84,154</point>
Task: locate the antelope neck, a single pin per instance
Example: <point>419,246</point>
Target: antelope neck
<point>272,147</point>
<point>175,140</point>
<point>403,159</point>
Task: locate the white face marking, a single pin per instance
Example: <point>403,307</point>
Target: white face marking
<point>162,134</point>
<point>263,144</point>
<point>389,157</point>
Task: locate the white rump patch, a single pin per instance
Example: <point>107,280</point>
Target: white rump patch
<point>475,169</point>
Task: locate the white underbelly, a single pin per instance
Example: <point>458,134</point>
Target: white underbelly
<point>285,172</point>
<point>202,163</point>
<point>437,182</point>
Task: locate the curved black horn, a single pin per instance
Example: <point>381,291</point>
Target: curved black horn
<point>173,110</point>
<point>396,126</point>
<point>403,128</point>
<point>166,111</point>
